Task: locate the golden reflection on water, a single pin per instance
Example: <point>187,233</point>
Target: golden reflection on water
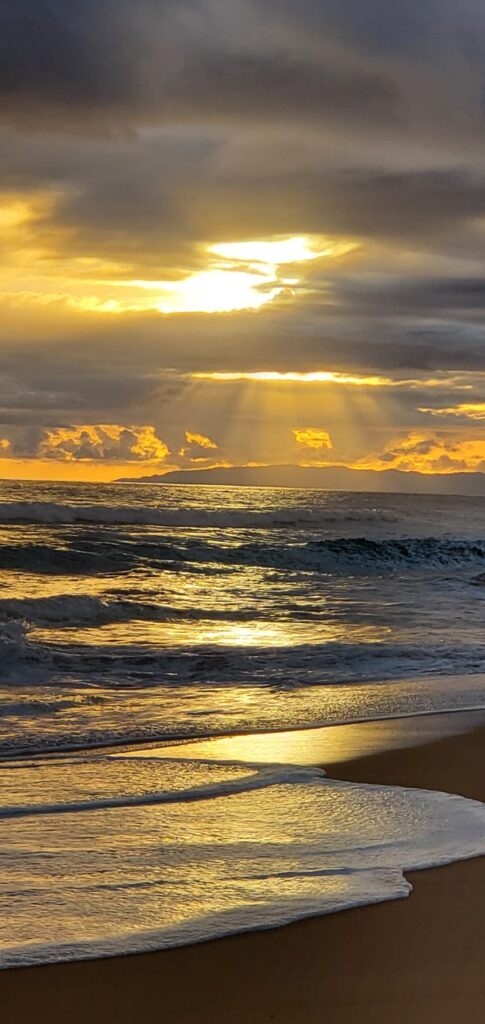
<point>282,633</point>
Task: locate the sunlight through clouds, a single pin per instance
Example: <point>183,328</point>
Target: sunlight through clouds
<point>237,276</point>
<point>280,251</point>
<point>230,227</point>
<point>210,291</point>
<point>293,377</point>
<point>246,275</point>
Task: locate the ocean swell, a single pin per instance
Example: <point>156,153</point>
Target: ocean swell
<point>106,554</point>
<point>30,656</point>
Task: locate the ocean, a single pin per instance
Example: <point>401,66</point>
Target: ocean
<point>133,616</point>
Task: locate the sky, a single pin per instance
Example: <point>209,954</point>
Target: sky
<point>241,232</point>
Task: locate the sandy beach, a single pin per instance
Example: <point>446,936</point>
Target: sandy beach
<point>419,959</point>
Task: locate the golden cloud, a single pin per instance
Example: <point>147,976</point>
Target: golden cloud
<point>199,439</point>
<point>312,437</point>
<point>200,451</point>
<point>468,410</point>
<point>430,454</point>
<point>103,441</point>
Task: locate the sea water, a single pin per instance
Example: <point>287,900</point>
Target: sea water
<point>137,613</point>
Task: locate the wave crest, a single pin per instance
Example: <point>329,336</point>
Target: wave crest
<point>119,515</point>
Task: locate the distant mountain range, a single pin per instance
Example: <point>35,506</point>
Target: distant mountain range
<point>330,477</point>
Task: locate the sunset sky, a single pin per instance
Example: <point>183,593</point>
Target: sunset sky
<point>241,232</point>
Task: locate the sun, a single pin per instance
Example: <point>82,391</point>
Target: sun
<point>217,290</point>
<point>233,276</point>
<point>240,274</point>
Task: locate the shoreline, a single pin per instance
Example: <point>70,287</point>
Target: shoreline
<point>179,741</point>
<point>418,958</point>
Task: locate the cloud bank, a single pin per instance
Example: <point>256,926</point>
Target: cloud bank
<point>144,146</point>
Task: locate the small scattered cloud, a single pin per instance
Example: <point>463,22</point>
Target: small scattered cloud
<point>312,437</point>
<point>200,440</point>
<point>201,451</point>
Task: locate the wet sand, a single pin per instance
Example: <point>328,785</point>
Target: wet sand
<point>418,960</point>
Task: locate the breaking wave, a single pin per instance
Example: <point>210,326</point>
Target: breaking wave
<point>119,515</point>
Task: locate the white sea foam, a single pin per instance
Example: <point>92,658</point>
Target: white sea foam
<point>67,786</point>
<point>148,877</point>
<point>130,515</point>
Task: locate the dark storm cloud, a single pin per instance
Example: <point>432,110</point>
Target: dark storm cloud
<point>352,62</point>
<point>57,380</point>
<point>224,66</point>
<point>358,202</point>
<point>407,28</point>
<point>393,295</point>
<point>280,86</point>
<point>66,52</point>
<point>158,59</point>
<point>165,194</point>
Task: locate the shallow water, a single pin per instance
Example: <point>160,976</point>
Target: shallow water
<point>174,865</point>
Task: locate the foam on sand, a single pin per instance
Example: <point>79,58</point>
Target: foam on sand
<point>142,877</point>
